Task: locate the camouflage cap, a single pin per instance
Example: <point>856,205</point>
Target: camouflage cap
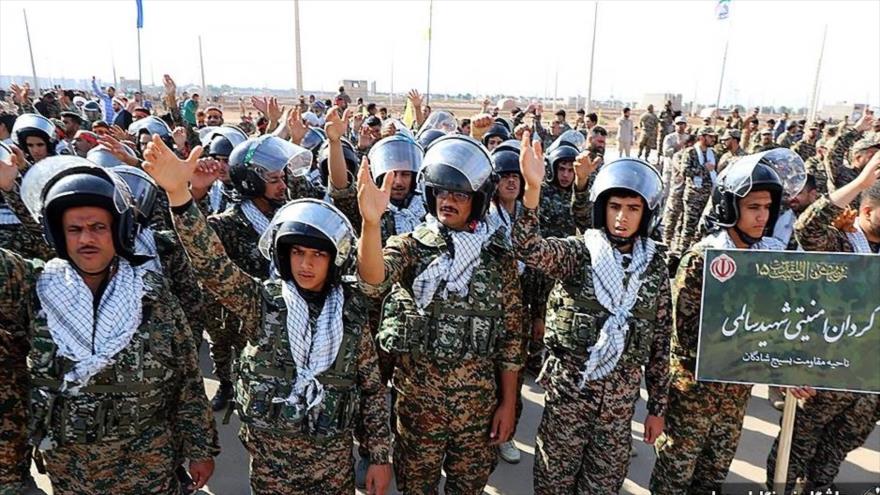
<point>815,125</point>
<point>706,131</point>
<point>766,131</point>
<point>731,134</point>
<point>681,120</point>
<point>865,144</point>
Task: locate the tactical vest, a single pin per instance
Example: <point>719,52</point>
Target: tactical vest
<point>458,328</point>
<point>121,401</point>
<point>266,370</point>
<point>575,317</point>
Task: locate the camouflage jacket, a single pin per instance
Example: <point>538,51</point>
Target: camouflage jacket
<point>804,149</point>
<point>673,210</point>
<point>816,167</point>
<point>492,332</point>
<point>240,241</point>
<point>568,261</point>
<point>28,240</point>
<point>838,173</point>
<point>153,385</point>
<point>257,304</point>
<point>785,140</point>
<point>815,230</point>
<point>697,190</point>
<point>648,123</point>
<point>728,157</point>
<point>565,212</point>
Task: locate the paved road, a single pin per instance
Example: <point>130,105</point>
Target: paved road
<point>761,427</point>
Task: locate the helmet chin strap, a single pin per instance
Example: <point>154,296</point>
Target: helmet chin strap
<point>746,238</point>
<point>619,241</point>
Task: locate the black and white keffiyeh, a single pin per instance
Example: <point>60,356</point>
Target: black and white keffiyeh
<point>408,218</point>
<point>145,243</point>
<point>455,270</point>
<point>215,196</point>
<point>858,240</point>
<point>507,225</point>
<point>314,350</point>
<point>82,336</point>
<point>618,299</point>
<point>722,240</point>
<point>256,217</point>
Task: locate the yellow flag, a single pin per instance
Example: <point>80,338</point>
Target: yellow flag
<point>409,115</point>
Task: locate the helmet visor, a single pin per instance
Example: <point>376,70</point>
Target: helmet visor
<point>318,214</point>
<point>463,154</point>
<point>395,153</point>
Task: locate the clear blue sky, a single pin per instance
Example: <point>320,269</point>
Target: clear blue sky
<point>481,47</point>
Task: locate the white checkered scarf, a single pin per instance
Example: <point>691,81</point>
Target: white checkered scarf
<point>145,243</point>
<point>408,218</point>
<point>256,217</point>
<point>457,270</point>
<point>67,302</point>
<point>608,282</point>
<point>314,350</point>
<point>858,240</point>
<point>507,222</point>
<point>722,240</point>
<point>7,216</point>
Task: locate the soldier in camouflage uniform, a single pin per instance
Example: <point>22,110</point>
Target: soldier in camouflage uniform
<point>704,420</point>
<point>698,169</point>
<point>815,166</point>
<point>591,383</point>
<point>830,425</point>
<point>853,144</point>
<point>648,123</point>
<point>114,411</point>
<point>788,137</point>
<point>765,142</point>
<point>673,210</point>
<point>457,320</point>
<point>309,370</point>
<point>806,147</point>
<point>730,140</point>
<point>258,169</point>
<point>667,126</point>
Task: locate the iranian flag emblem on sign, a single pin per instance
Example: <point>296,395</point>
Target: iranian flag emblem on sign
<point>723,268</point>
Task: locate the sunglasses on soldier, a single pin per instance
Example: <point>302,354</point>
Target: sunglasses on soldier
<point>457,196</point>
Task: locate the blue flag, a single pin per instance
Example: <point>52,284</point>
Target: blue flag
<point>140,19</point>
<point>722,9</point>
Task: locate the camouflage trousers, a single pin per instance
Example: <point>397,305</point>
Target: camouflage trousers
<point>703,427</point>
<point>225,339</point>
<point>144,465</point>
<point>14,458</point>
<point>827,428</point>
<point>584,439</point>
<point>444,415</point>
<point>287,465</point>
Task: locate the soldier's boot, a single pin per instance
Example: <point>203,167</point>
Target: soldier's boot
<point>360,473</point>
<point>221,399</point>
<point>509,453</point>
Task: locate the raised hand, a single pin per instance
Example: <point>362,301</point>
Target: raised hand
<point>584,166</point>
<point>273,111</point>
<point>869,175</point>
<point>415,98</point>
<point>117,149</point>
<point>845,222</point>
<point>19,93</point>
<point>372,200</point>
<point>261,104</point>
<point>207,171</point>
<point>365,138</point>
<point>865,122</point>
<point>295,125</point>
<point>170,172</point>
<point>531,161</point>
<point>170,87</point>
<point>118,132</point>
<point>9,172</point>
<point>336,126</point>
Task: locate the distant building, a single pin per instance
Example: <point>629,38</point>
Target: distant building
<point>838,111</point>
<point>355,88</point>
<point>659,101</point>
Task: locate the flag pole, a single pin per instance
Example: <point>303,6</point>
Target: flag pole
<point>588,103</point>
<point>815,99</point>
<point>299,74</point>
<point>430,34</point>
<point>31,50</point>
<point>783,450</point>
<point>202,67</point>
<point>140,76</point>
